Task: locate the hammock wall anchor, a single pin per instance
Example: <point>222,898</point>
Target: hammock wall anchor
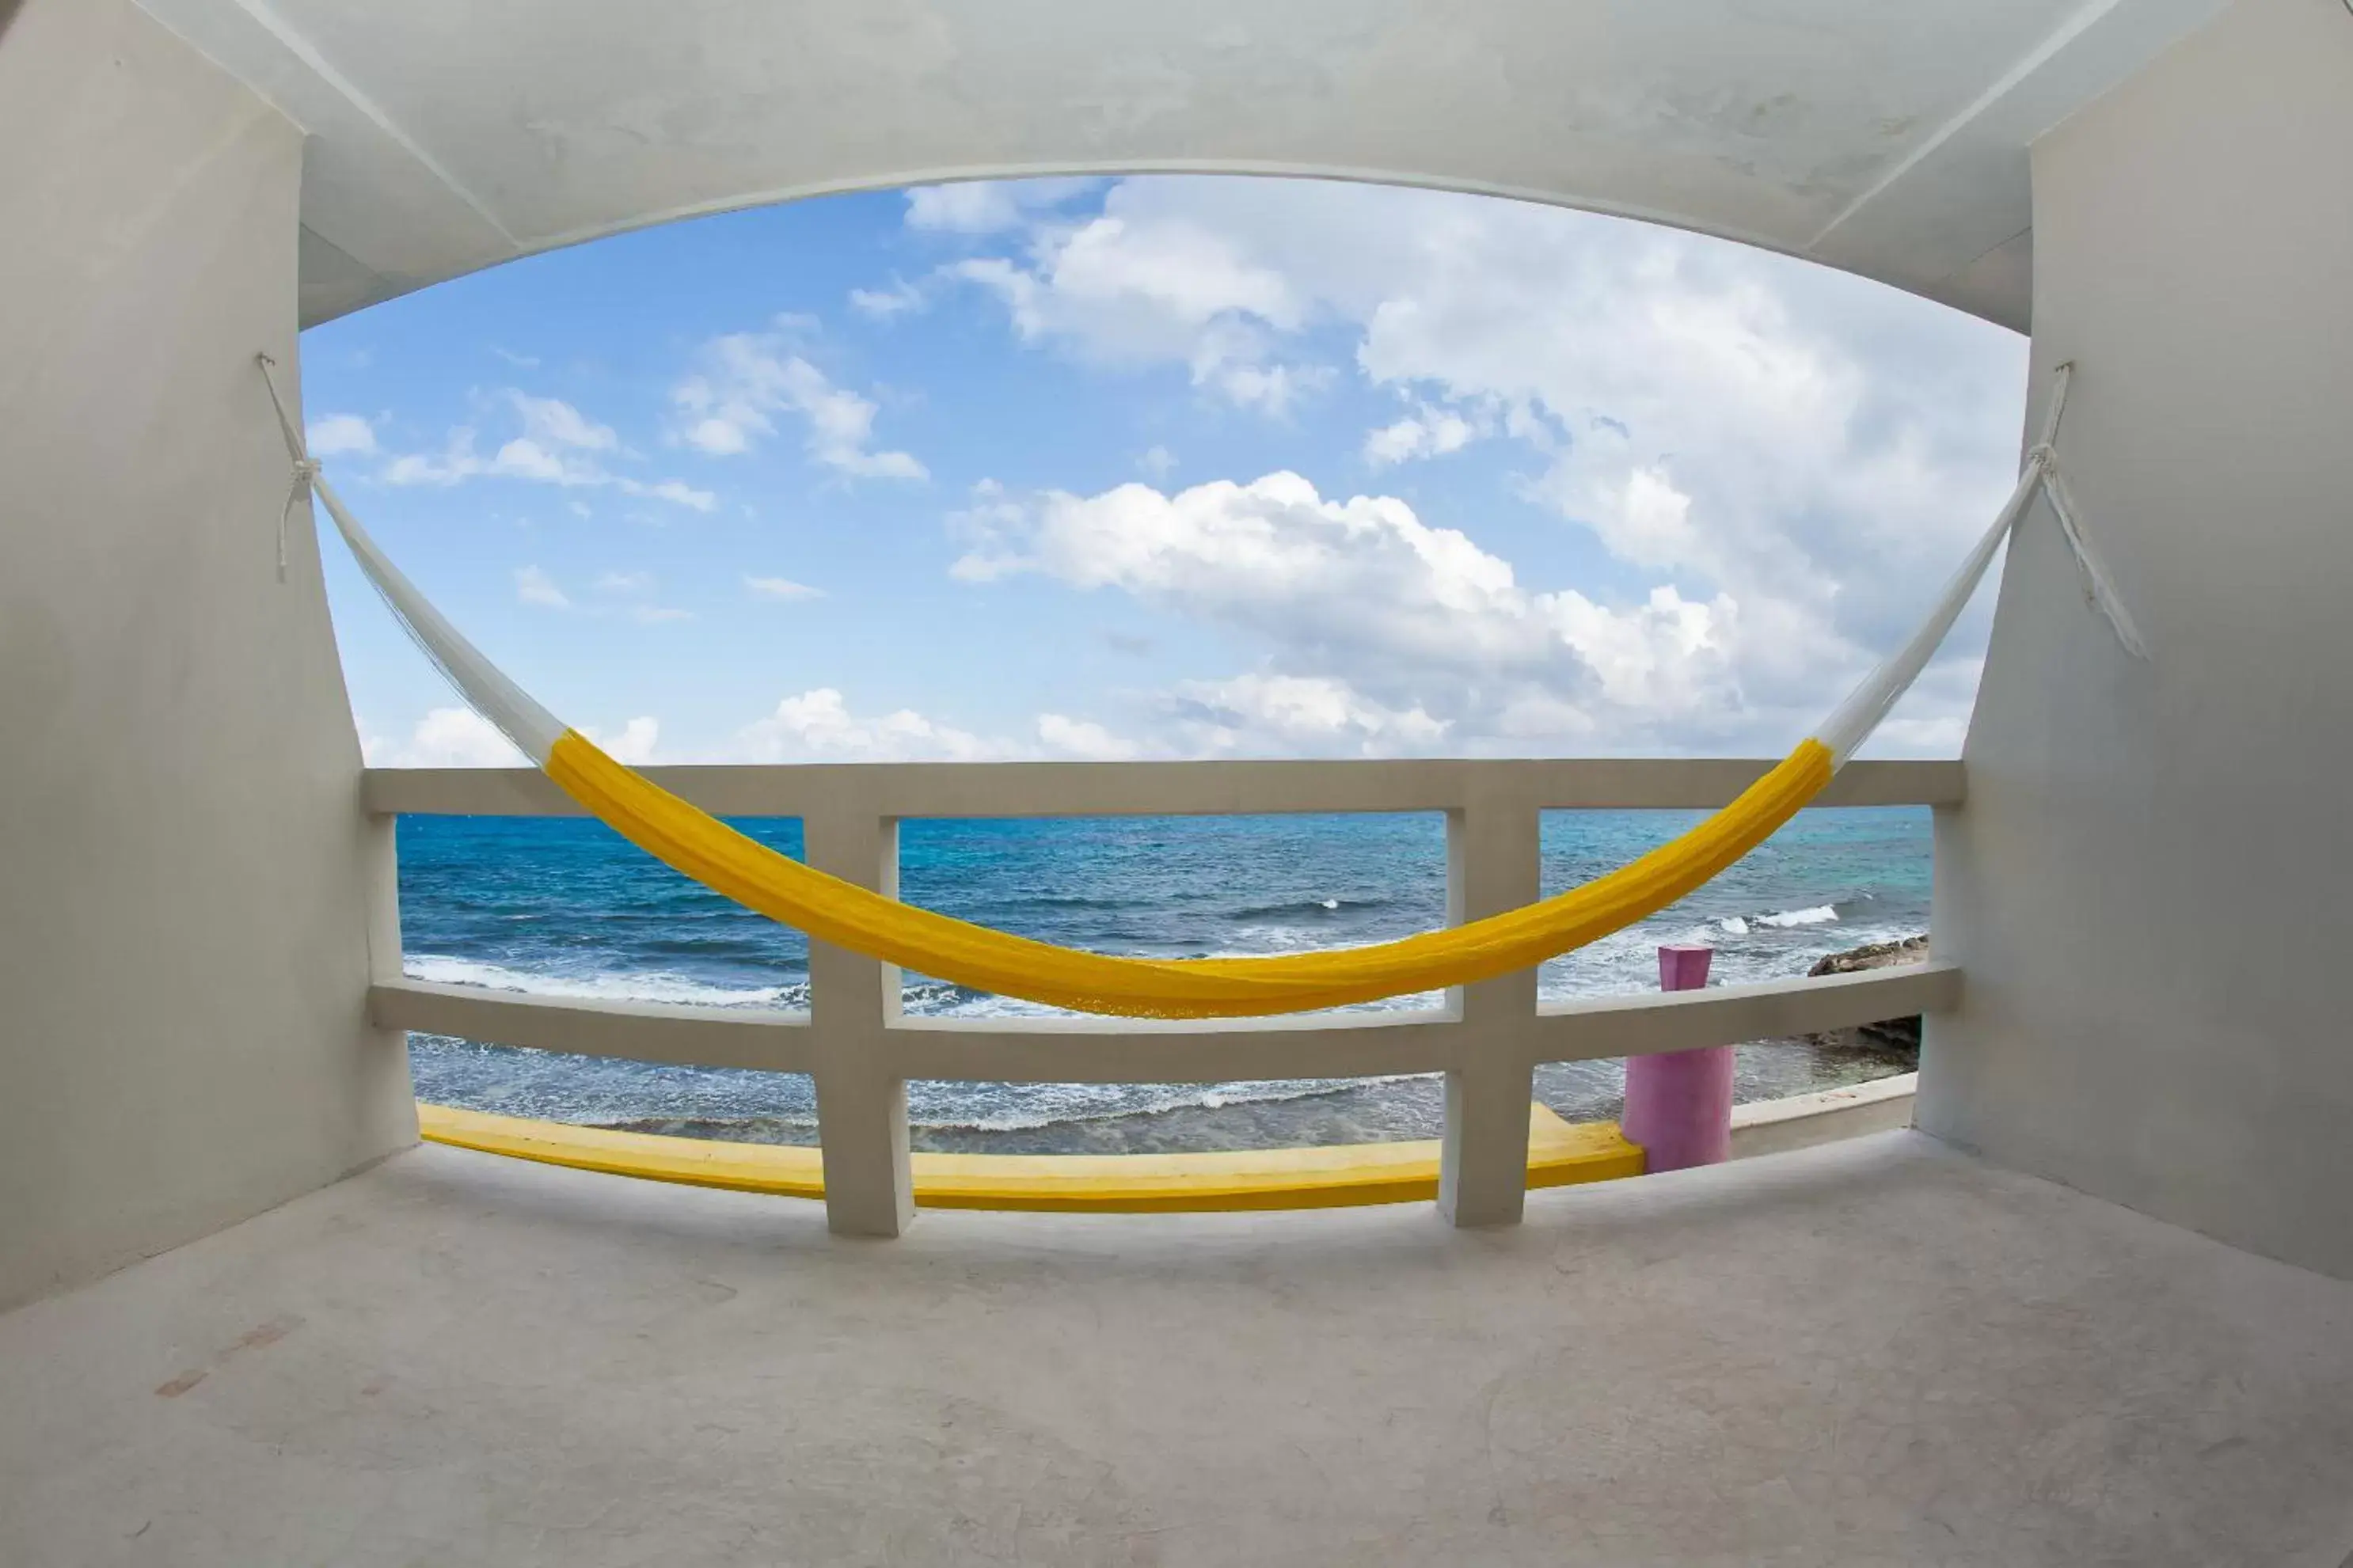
<point>829,909</point>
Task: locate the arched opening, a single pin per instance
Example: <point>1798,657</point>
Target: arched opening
<point>1153,468</point>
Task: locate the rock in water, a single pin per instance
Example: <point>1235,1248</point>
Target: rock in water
<point>1902,1033</point>
<point>1878,955</point>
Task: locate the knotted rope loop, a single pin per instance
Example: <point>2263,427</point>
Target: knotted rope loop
<point>306,466</point>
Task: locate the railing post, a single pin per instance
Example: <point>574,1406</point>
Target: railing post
<point>1493,863</point>
<point>391,1084</point>
<point>862,1104</point>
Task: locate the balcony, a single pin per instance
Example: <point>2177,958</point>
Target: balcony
<point>2097,1308</point>
<point>1878,1351</point>
<point>860,1048</point>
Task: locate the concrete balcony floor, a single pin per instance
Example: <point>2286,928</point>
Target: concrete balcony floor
<point>1876,1352</point>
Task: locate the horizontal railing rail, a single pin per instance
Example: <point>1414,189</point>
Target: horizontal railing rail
<point>764,1039</point>
<point>862,1049</point>
<point>1134,1051</point>
<point>1165,789</point>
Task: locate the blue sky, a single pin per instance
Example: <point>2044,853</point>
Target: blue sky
<point>1162,467</point>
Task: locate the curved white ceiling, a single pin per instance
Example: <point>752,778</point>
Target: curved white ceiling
<point>1887,139</point>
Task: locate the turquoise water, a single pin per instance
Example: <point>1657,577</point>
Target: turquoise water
<point>564,907</point>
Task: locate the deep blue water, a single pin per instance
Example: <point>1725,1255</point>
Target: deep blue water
<point>565,907</point>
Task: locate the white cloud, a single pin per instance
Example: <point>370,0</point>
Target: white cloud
<point>745,379</point>
<point>678,492</point>
<point>445,737</point>
<point>1431,433</point>
<point>634,745</point>
<point>881,304</point>
<point>815,726</point>
<point>554,436</point>
<point>1272,389</point>
<point>1791,455</point>
<point>534,586</point>
<point>340,435</point>
<point>1257,713</point>
<point>782,588</point>
<point>1938,736</point>
<point>524,458</point>
<point>1127,288</point>
<point>457,461</point>
<point>818,726</point>
<point>1157,462</point>
<point>1084,739</point>
<point>1383,632</point>
<point>558,446</point>
<point>1113,277</point>
<point>556,423</point>
<point>716,437</point>
<point>983,206</point>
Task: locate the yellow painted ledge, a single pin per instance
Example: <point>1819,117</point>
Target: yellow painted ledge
<point>1559,1153</point>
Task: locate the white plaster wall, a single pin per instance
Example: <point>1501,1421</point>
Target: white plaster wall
<point>184,910</point>
<point>2150,883</point>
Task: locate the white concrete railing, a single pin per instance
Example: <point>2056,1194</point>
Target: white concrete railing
<point>860,1049</point>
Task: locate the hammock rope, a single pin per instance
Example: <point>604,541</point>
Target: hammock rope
<point>830,910</point>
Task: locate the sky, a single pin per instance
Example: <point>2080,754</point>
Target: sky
<point>1168,467</point>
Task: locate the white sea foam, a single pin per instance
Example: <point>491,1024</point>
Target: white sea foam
<point>656,986</point>
<point>1044,1105</point>
<point>1622,962</point>
<point>932,999</point>
<point>945,1001</point>
<point>1821,914</point>
<point>1777,947</point>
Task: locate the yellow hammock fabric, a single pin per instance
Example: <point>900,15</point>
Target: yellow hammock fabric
<point>690,840</point>
<point>702,846</point>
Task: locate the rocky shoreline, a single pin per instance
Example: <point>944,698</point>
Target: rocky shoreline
<point>1888,1033</point>
<point>1375,1110</point>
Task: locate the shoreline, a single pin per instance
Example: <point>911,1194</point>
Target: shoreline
<point>1375,1110</point>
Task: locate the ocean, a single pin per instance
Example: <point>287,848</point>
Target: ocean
<point>563,907</point>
